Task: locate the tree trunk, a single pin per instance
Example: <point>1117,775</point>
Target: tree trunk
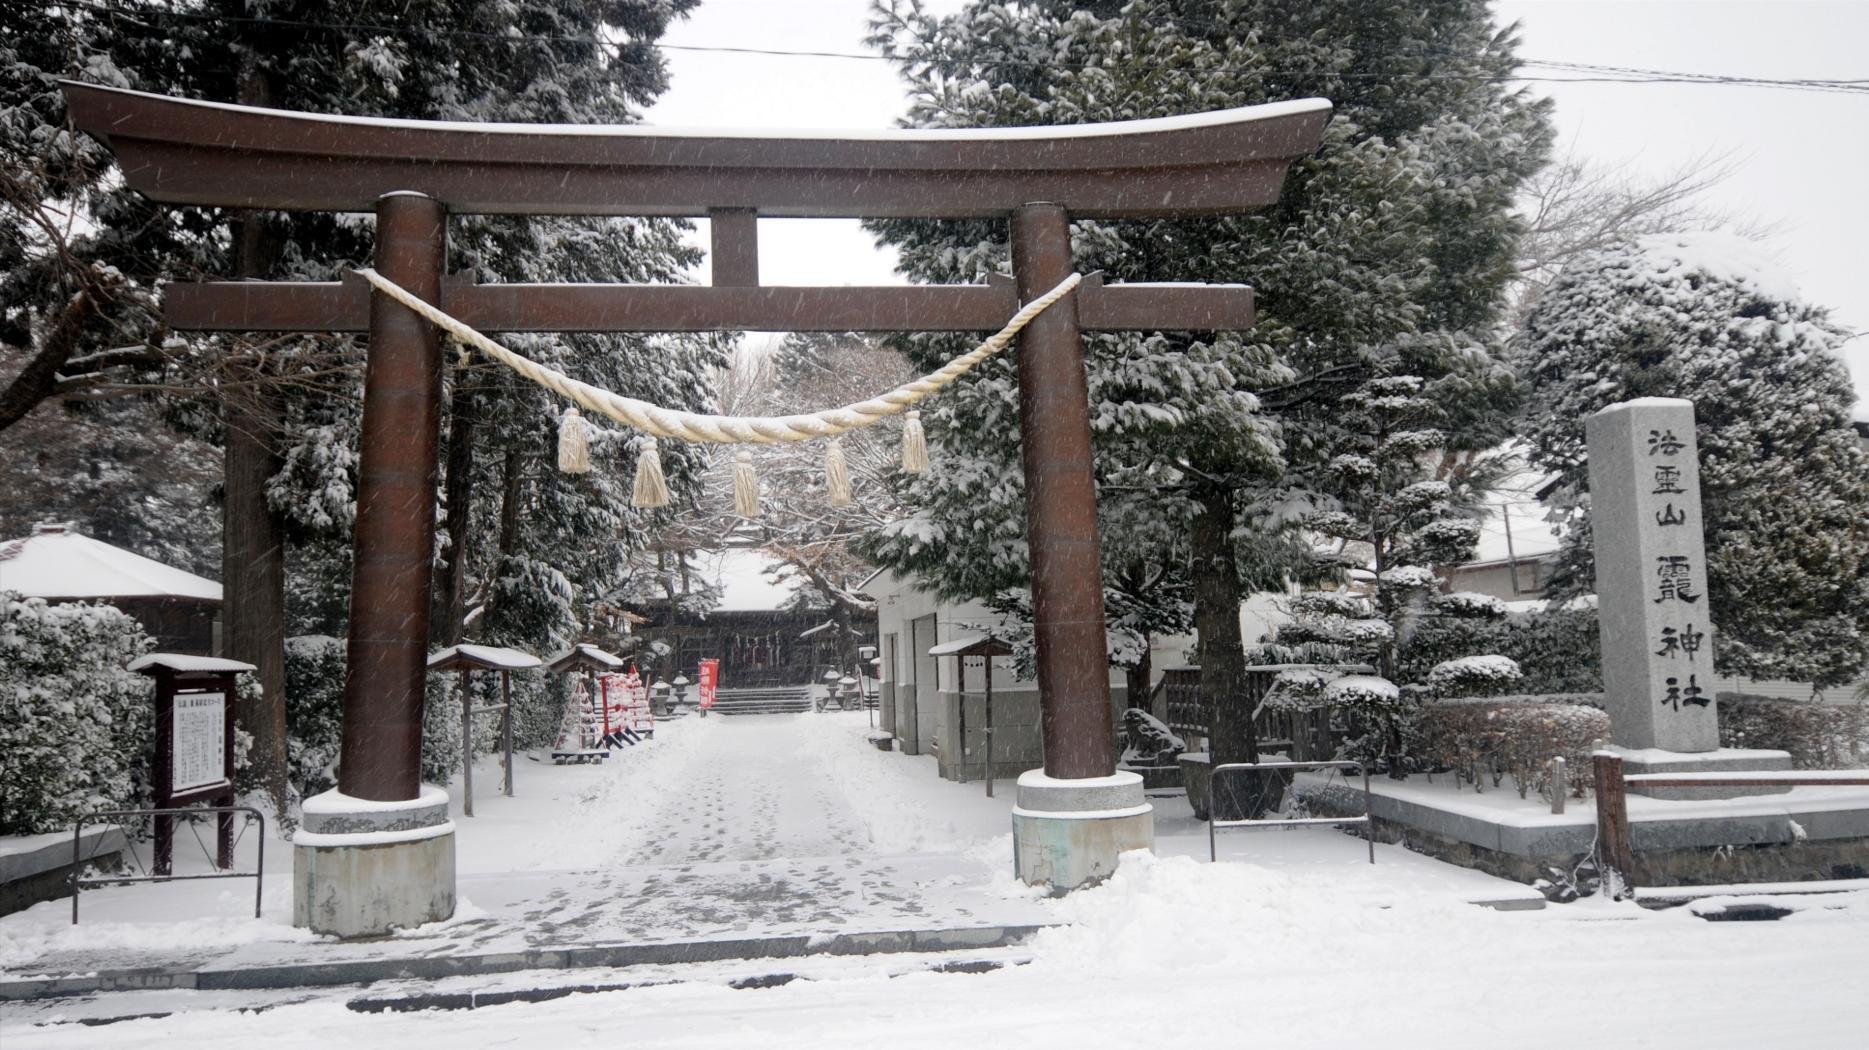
<point>451,590</point>
<point>1222,652</point>
<point>1136,679</point>
<point>253,569</point>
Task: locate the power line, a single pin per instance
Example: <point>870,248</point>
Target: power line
<point>1586,73</point>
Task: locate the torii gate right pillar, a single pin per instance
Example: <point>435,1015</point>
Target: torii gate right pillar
<point>1077,814</point>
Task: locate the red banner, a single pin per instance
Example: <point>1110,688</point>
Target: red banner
<point>710,681</point>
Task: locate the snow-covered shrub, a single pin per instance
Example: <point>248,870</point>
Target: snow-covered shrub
<point>1474,676</point>
<point>1451,626</point>
<point>314,711</point>
<point>1493,738</point>
<point>1818,736</point>
<point>1363,692</point>
<point>1559,651</point>
<point>77,730</point>
<point>1299,689</point>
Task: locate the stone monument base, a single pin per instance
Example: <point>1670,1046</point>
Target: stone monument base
<point>363,868</point>
<point>1068,833</point>
<point>1725,760</point>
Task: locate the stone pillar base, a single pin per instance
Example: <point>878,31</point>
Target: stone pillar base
<point>363,868</point>
<point>1067,834</point>
<point>1725,760</point>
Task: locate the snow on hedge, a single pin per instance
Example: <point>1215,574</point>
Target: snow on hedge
<point>78,725</point>
<point>1469,675</point>
<point>1364,691</point>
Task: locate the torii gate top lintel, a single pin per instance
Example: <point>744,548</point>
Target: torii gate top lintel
<point>191,152</point>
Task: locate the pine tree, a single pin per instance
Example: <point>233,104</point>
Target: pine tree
<point>1784,484</point>
<point>1400,226</point>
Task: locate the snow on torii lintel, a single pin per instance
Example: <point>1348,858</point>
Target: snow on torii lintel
<point>1215,118</point>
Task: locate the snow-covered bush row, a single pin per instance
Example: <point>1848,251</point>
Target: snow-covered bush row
<point>1489,739</point>
<point>77,728</point>
<point>1819,736</point>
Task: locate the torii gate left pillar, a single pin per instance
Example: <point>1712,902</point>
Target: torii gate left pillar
<point>388,837</point>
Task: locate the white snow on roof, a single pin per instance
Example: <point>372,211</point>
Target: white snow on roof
<point>185,662</point>
<point>602,656</point>
<point>57,563</point>
<point>495,655</point>
<point>745,579</point>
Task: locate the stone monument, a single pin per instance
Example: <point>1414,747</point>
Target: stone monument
<point>1651,581</point>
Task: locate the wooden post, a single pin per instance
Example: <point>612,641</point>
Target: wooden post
<point>506,726</point>
<point>988,661</point>
<point>467,747</point>
<point>1061,508</point>
<point>1614,852</point>
<point>386,668</point>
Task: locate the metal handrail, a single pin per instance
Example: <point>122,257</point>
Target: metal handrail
<point>1213,826</point>
<point>259,862</point>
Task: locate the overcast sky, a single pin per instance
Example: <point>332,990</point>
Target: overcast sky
<point>1802,156</point>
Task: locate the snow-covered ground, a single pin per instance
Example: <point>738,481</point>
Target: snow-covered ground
<point>724,827</point>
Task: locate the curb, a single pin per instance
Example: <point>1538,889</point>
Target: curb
<point>365,971</point>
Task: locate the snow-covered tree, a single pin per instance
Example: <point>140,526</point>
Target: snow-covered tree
<point>1400,224</point>
<point>85,251</point>
<point>1784,483</point>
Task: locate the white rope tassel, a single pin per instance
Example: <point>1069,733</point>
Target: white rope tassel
<point>745,486</point>
<point>836,474</point>
<point>574,443</point>
<point>914,445</point>
<point>651,486</point>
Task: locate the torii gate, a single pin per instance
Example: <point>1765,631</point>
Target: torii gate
<point>379,851</point>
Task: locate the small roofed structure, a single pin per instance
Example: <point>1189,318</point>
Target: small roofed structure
<point>584,657</point>
<point>59,564</point>
<point>986,647</point>
<point>467,658</point>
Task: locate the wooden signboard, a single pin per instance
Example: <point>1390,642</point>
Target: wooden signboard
<point>194,744</point>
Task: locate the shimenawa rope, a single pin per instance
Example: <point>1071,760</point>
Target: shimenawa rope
<point>659,422</point>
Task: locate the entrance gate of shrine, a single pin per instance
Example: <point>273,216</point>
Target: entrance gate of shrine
<point>378,851</point>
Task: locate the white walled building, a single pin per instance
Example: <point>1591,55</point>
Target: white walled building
<point>921,702</point>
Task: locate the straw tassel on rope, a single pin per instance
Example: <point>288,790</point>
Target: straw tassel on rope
<point>836,475</point>
<point>914,445</point>
<point>651,485</point>
<point>574,443</point>
<point>745,486</point>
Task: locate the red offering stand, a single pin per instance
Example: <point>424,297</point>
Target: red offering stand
<point>709,676</point>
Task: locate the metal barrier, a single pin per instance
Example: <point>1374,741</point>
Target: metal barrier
<point>259,864</point>
<point>1213,781</point>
